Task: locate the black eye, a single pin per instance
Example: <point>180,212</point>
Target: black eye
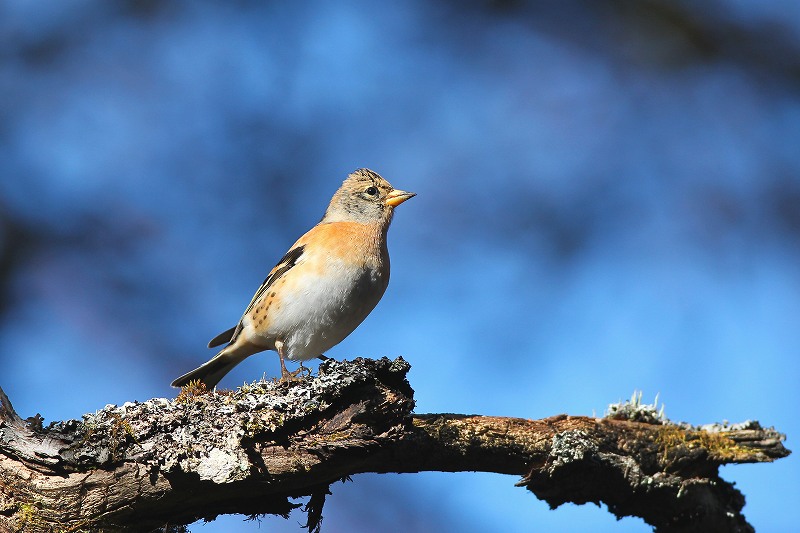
<point>372,191</point>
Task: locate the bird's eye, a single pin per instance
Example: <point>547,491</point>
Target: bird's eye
<point>372,191</point>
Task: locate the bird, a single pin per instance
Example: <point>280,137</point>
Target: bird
<point>322,288</point>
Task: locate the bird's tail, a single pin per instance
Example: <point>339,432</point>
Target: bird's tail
<point>211,372</point>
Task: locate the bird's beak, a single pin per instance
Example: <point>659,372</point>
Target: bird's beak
<point>397,197</point>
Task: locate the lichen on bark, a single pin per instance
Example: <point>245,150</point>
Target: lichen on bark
<point>165,463</point>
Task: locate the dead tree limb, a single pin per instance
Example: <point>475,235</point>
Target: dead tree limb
<point>165,463</point>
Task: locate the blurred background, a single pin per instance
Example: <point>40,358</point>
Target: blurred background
<point>608,200</point>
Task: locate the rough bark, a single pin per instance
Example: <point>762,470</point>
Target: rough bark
<point>164,463</point>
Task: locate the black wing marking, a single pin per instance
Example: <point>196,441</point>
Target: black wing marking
<point>284,265</point>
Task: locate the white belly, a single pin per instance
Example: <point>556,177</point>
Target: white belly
<point>324,311</point>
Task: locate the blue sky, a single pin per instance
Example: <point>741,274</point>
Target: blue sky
<point>608,201</point>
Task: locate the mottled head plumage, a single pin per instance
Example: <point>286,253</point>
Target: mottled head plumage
<point>365,197</point>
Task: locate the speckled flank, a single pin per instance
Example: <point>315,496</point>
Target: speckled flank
<point>315,311</point>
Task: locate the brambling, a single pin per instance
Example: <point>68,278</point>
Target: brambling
<point>322,289</point>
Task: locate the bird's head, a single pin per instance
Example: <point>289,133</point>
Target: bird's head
<point>365,197</point>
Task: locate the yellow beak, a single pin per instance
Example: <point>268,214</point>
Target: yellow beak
<point>397,197</point>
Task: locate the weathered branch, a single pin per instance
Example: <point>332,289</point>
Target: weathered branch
<point>161,463</point>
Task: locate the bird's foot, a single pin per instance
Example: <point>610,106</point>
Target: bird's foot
<point>298,375</point>
<point>301,372</point>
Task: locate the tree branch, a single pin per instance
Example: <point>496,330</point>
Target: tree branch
<point>142,466</point>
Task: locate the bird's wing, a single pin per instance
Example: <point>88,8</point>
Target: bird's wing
<point>222,338</point>
<point>288,261</point>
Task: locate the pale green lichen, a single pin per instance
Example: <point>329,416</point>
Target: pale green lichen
<point>636,411</point>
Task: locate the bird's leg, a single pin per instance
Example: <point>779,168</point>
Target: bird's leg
<point>284,373</point>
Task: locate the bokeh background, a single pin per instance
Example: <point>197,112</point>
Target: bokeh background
<point>609,200</point>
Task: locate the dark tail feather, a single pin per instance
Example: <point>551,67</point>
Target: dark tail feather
<point>209,373</point>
